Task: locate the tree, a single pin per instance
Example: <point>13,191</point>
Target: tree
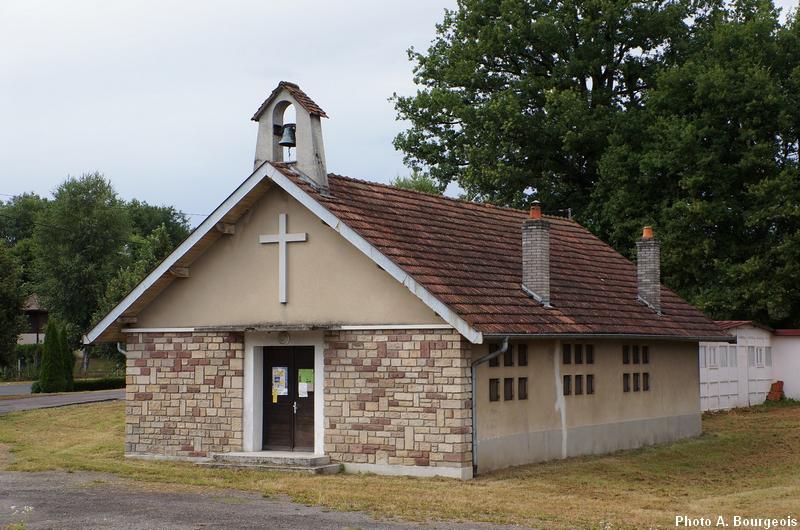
<point>418,182</point>
<point>12,322</point>
<point>519,96</point>
<point>146,218</point>
<point>150,251</point>
<point>80,242</point>
<point>52,377</point>
<point>17,219</point>
<point>712,161</point>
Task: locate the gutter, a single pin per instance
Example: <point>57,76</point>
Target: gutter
<point>474,366</point>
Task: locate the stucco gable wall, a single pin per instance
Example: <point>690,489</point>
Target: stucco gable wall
<point>235,282</point>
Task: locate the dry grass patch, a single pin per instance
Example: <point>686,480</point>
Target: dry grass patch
<point>746,463</point>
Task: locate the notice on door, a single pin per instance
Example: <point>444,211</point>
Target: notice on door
<point>279,381</point>
<point>306,375</point>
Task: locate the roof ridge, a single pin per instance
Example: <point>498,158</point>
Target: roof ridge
<point>451,199</point>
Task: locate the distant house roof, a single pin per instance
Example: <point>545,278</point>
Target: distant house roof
<point>462,259</point>
<point>787,332</point>
<point>731,324</point>
<point>300,96</point>
<point>32,303</point>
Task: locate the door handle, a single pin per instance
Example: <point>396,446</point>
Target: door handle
<point>294,406</point>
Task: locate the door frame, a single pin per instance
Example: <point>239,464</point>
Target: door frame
<point>253,404</point>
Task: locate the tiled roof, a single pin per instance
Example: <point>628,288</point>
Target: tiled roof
<point>32,303</point>
<point>730,324</point>
<point>469,256</point>
<point>300,96</point>
<point>788,332</point>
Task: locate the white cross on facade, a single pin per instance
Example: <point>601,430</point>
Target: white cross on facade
<point>281,239</point>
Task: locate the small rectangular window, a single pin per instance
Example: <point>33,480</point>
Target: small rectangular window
<point>733,356</point>
<point>702,356</point>
<point>635,350</point>
<point>636,386</point>
<point>579,354</point>
<point>768,357</point>
<point>566,353</point>
<point>645,355</point>
<point>723,356</point>
<point>590,384</point>
<point>494,361</point>
<point>646,381</point>
<point>567,385</point>
<point>626,354</point>
<point>522,355</point>
<point>589,354</point>
<point>508,356</point>
<point>522,388</point>
<point>508,388</point>
<point>751,355</point>
<point>626,382</point>
<point>578,385</point>
<point>494,390</point>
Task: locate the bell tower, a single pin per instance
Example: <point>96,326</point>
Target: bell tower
<point>305,135</point>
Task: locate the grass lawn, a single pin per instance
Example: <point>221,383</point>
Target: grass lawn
<point>746,463</point>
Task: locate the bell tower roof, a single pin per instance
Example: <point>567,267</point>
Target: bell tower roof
<point>299,96</point>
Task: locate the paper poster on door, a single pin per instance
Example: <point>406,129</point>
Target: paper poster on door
<point>306,375</point>
<point>279,380</point>
<point>302,389</point>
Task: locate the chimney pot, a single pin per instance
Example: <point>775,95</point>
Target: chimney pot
<point>536,210</point>
<point>647,232</point>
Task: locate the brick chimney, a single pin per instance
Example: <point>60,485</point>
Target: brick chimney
<point>536,256</point>
<point>648,270</point>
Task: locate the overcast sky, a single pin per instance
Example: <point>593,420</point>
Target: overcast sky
<point>158,94</point>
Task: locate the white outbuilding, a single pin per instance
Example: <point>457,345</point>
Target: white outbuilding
<point>740,374</point>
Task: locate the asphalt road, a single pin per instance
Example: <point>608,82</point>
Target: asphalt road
<point>36,401</point>
<point>15,389</point>
<point>93,500</point>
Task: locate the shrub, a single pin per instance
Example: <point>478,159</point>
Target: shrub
<point>106,383</point>
<point>86,385</point>
<point>55,373</point>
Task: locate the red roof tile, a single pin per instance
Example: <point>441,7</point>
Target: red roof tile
<point>731,324</point>
<point>469,256</point>
<point>788,332</point>
<point>300,96</point>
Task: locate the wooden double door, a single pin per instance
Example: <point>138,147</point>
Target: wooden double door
<point>288,423</point>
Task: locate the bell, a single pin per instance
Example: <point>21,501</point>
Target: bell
<point>288,139</point>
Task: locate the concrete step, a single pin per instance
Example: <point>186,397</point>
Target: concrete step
<point>324,469</point>
<point>272,458</point>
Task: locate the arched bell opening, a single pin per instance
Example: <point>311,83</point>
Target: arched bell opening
<point>285,131</point>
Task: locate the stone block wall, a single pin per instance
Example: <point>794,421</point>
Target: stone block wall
<point>184,393</point>
<point>398,398</point>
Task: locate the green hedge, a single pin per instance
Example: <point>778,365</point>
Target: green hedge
<point>83,385</point>
<point>106,383</point>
